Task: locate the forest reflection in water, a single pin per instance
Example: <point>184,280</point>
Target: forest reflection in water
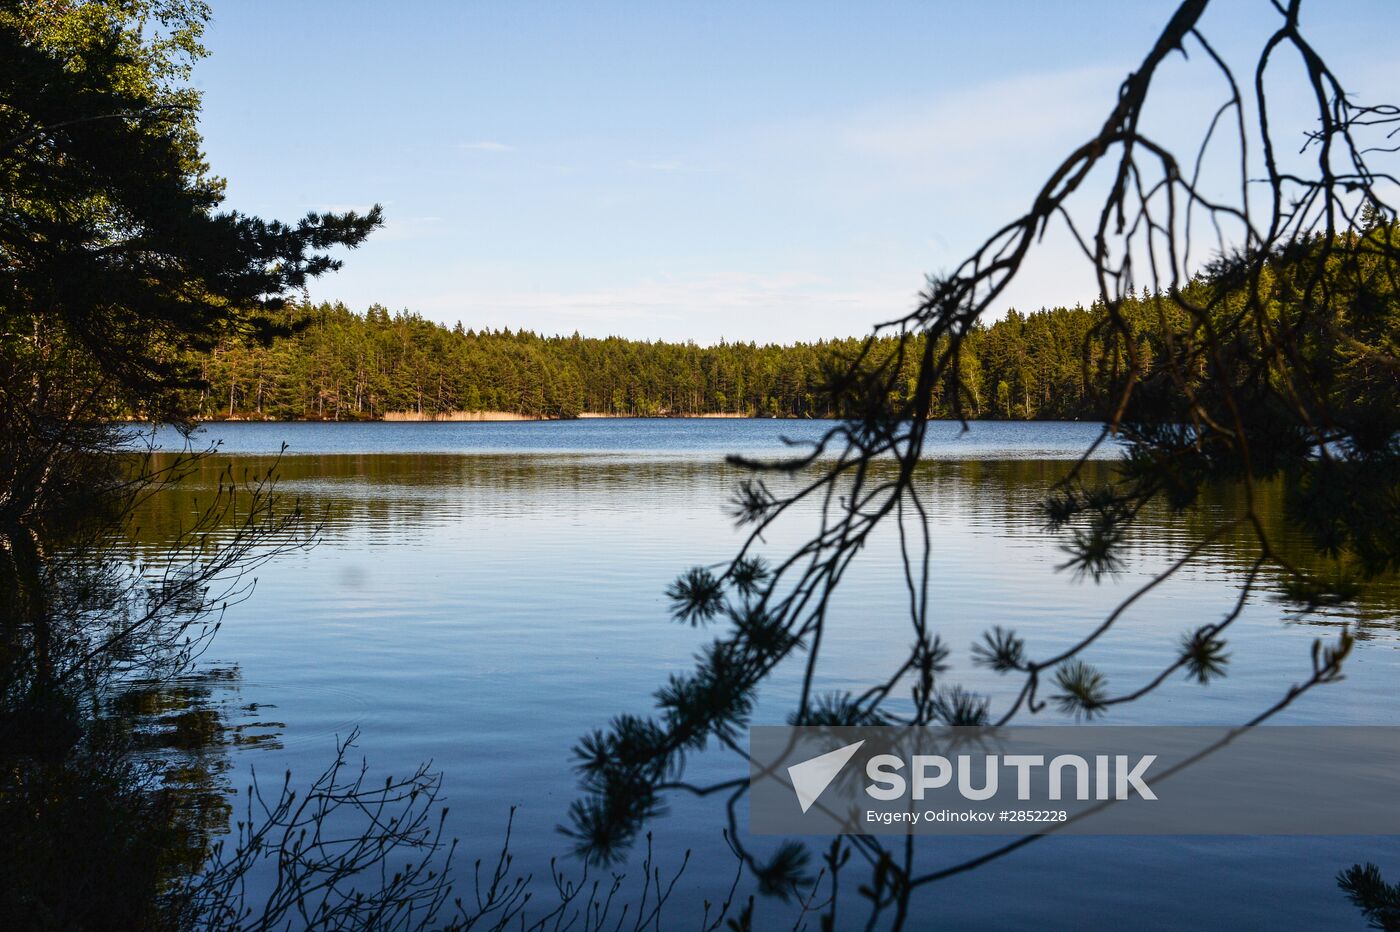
<point>402,497</point>
<point>485,610</point>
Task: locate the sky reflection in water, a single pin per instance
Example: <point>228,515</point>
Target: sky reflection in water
<point>486,610</point>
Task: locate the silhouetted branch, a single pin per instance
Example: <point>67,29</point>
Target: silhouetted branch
<point>1270,361</point>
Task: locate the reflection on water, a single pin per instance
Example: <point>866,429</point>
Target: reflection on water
<point>186,726</point>
<point>483,611</point>
<point>655,438</point>
<point>195,712</point>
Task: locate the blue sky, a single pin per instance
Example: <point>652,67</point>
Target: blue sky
<point>769,172</point>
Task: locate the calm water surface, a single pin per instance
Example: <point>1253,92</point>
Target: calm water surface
<point>486,593</point>
<point>698,438</point>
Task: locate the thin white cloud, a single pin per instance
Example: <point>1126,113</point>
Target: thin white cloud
<point>1022,111</point>
<point>1004,130</point>
<point>486,145</point>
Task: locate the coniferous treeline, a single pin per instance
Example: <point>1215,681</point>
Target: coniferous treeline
<point>347,366</point>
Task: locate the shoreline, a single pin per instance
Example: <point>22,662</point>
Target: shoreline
<point>471,417</point>
<point>482,417</point>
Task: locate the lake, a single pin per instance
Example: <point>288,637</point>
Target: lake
<point>485,593</point>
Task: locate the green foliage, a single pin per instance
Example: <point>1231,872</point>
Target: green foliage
<point>838,710</point>
<point>1204,655</point>
<point>1273,365</point>
<point>956,706</point>
<point>344,365</point>
<point>1055,363</point>
<point>1378,901</point>
<point>714,700</point>
<point>115,261</point>
<point>748,573</point>
<point>758,627</point>
<point>110,240</point>
<point>785,873</point>
<point>1082,689</point>
<point>696,597</point>
<point>1001,650</point>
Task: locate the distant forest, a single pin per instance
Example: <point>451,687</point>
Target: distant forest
<point>342,365</point>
